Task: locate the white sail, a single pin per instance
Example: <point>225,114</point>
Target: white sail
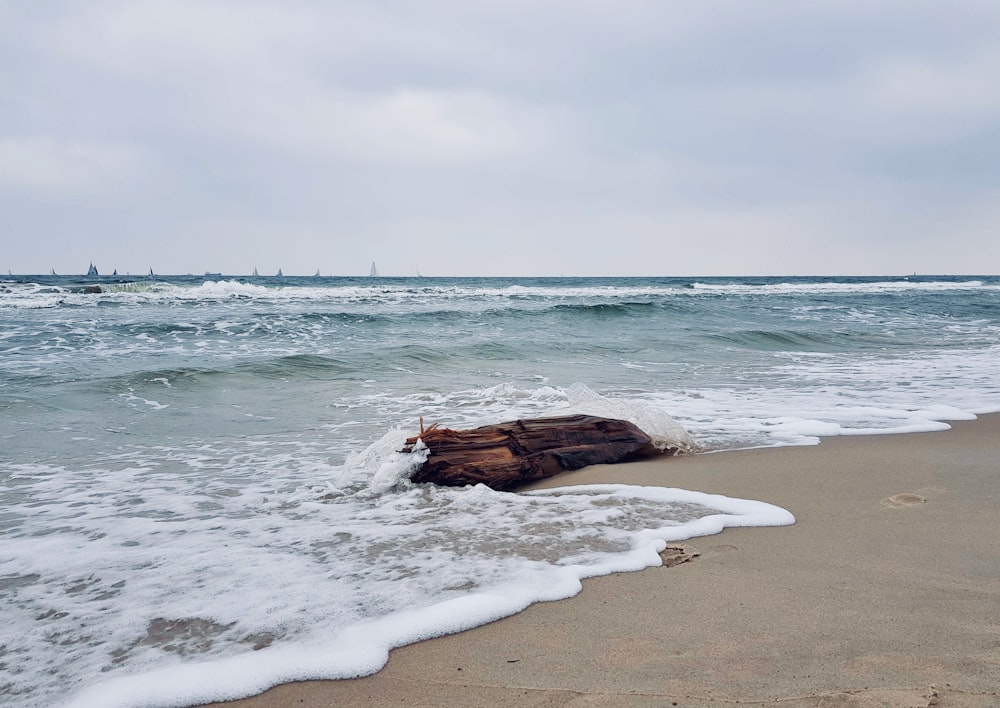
<point>374,271</point>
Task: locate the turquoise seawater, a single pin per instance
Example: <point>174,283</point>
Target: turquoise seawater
<point>186,462</point>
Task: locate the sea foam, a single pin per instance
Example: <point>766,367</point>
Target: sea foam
<point>521,552</point>
<point>180,504</point>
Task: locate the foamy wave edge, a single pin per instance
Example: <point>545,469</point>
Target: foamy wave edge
<point>363,648</point>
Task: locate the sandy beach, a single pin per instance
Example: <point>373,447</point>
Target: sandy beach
<point>886,592</point>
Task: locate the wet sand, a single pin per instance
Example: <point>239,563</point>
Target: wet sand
<point>886,592</point>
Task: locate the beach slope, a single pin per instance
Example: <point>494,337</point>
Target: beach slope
<point>885,592</point>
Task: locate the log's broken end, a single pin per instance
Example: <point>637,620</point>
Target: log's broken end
<point>508,455</point>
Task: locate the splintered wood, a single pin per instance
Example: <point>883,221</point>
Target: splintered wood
<point>508,455</point>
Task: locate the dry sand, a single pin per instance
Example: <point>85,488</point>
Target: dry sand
<point>886,592</point>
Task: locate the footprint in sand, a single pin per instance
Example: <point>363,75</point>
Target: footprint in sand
<point>920,496</point>
<point>904,499</point>
<point>675,555</point>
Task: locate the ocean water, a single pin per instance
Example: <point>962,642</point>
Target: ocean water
<point>200,494</point>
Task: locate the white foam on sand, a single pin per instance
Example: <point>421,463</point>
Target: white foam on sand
<point>361,647</point>
<point>149,586</point>
<point>833,395</point>
<point>814,397</point>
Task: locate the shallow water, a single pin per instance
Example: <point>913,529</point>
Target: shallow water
<point>186,467</point>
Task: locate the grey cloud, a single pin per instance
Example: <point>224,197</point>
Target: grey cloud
<point>710,137</point>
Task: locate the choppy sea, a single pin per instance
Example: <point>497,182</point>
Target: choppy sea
<point>200,494</point>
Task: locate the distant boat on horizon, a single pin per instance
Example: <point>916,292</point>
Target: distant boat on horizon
<point>255,273</point>
<point>116,272</point>
<point>279,274</point>
<point>373,273</point>
<point>151,273</point>
<point>317,273</point>
<point>52,271</point>
<point>92,271</point>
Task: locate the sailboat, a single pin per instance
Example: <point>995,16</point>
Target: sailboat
<point>374,271</point>
<point>280,274</point>
<point>317,273</point>
<point>255,273</point>
<point>52,271</point>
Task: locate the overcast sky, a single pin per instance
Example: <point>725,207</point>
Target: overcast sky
<point>507,137</point>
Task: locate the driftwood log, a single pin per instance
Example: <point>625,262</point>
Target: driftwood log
<point>508,455</point>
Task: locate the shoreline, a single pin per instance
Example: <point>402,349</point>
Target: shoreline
<point>884,592</point>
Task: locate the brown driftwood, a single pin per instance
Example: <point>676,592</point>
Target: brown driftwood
<point>508,455</point>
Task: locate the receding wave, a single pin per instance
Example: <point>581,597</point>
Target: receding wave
<point>839,286</point>
<point>493,351</point>
<point>605,308</point>
<point>411,354</point>
<point>795,340</point>
<point>179,378</point>
<point>298,366</point>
